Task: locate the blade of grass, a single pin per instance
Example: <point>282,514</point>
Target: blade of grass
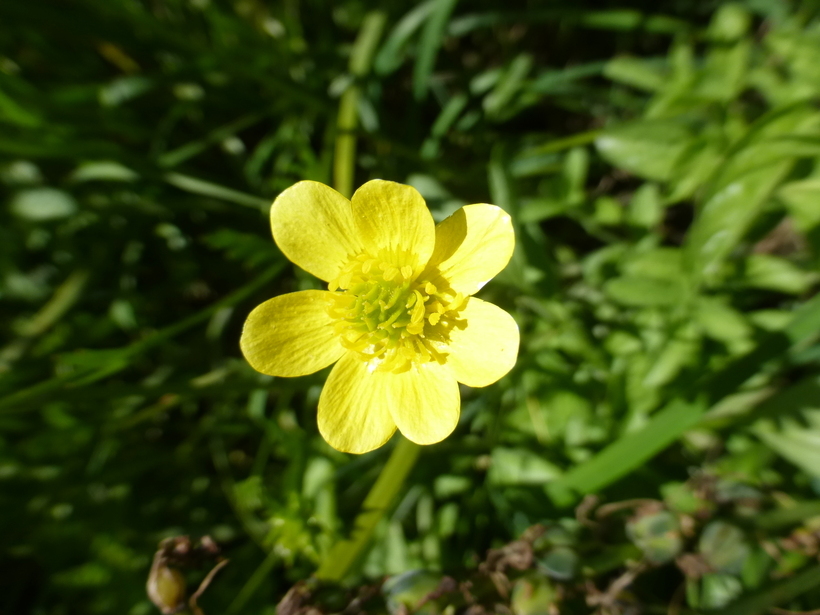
<point>344,162</point>
<point>777,593</point>
<point>118,359</point>
<point>630,451</point>
<point>205,188</point>
<point>194,148</point>
<point>432,37</point>
<point>389,57</point>
<point>666,426</point>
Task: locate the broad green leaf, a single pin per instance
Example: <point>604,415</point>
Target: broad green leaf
<point>649,148</point>
<point>723,546</point>
<point>718,590</point>
<point>724,75</point>
<point>774,273</point>
<point>41,204</point>
<point>104,170</point>
<point>800,50</point>
<point>719,321</point>
<point>657,535</point>
<point>645,208</point>
<point>677,354</point>
<point>693,169</point>
<point>513,466</point>
<point>660,263</point>
<point>533,594</point>
<point>729,23</point>
<point>796,440</point>
<point>638,73</point>
<point>726,217</point>
<point>802,198</point>
<point>644,292</point>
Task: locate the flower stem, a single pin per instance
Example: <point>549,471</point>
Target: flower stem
<point>360,60</point>
<point>343,555</point>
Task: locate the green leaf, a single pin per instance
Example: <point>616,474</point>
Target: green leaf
<point>41,204</point>
<point>645,292</point>
<point>210,189</point>
<point>14,113</point>
<point>629,451</point>
<point>638,73</point>
<point>780,592</point>
<point>645,208</point>
<point>497,104</point>
<point>390,56</point>
<point>103,170</point>
<point>512,466</point>
<point>720,321</point>
<point>431,39</point>
<point>726,217</point>
<point>796,440</point>
<point>729,23</point>
<point>774,273</point>
<point>724,547</point>
<point>802,198</point>
<point>650,148</point>
<point>657,535</point>
<point>724,75</point>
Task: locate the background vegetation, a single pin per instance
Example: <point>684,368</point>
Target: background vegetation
<point>660,435</point>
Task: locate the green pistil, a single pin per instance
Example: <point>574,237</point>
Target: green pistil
<point>386,315</point>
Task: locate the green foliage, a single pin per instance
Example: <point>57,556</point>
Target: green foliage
<point>660,432</point>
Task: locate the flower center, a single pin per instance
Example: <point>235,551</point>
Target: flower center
<point>387,316</point>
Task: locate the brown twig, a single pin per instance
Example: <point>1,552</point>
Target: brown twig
<point>204,585</point>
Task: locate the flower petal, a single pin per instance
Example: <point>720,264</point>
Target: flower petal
<point>472,246</point>
<point>354,414</point>
<point>425,402</point>
<point>395,217</point>
<point>313,226</point>
<point>486,349</point>
<point>291,335</point>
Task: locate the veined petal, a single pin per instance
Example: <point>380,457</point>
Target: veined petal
<point>472,246</point>
<point>313,226</point>
<point>394,217</point>
<point>354,414</point>
<point>425,402</point>
<point>291,335</point>
<point>486,349</point>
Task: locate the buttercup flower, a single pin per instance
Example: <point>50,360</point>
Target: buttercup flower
<point>398,318</point>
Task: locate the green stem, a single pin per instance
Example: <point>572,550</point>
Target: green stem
<point>361,58</point>
<point>260,576</point>
<point>343,555</point>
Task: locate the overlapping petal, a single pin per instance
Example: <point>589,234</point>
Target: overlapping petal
<point>313,226</point>
<point>354,407</point>
<point>395,217</point>
<point>291,335</point>
<point>424,401</point>
<point>472,246</point>
<point>484,350</point>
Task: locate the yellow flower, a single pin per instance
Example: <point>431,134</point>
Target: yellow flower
<point>398,318</point>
